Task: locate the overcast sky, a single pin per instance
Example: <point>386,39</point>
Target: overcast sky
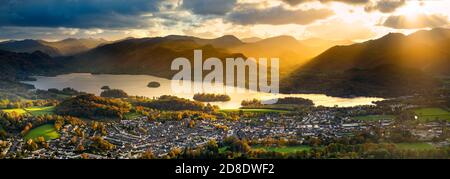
<point>115,19</point>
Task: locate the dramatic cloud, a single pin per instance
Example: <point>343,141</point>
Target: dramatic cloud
<point>76,13</point>
<point>297,2</point>
<point>209,7</point>
<point>117,19</point>
<point>416,22</point>
<point>385,6</point>
<point>277,15</point>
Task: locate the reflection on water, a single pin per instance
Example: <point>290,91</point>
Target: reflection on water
<point>137,85</point>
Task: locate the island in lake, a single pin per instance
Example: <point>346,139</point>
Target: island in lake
<point>206,97</point>
<point>114,93</point>
<point>105,88</point>
<point>154,84</point>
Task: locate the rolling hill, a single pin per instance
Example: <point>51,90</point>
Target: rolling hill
<point>19,65</point>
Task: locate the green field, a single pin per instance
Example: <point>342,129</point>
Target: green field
<point>255,110</point>
<point>17,111</point>
<point>374,117</point>
<point>35,111</point>
<point>132,115</point>
<point>47,131</point>
<point>431,114</point>
<point>288,149</point>
<point>39,111</point>
<point>223,149</point>
<point>414,146</point>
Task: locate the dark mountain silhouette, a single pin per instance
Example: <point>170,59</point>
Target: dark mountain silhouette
<point>29,46</point>
<point>392,65</point>
<point>424,50</point>
<point>16,66</point>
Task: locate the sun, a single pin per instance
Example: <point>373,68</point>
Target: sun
<point>412,10</point>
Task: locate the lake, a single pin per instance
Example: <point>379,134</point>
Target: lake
<point>136,85</point>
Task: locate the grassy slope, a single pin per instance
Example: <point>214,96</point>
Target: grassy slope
<point>17,111</point>
<point>34,111</point>
<point>430,114</point>
<point>47,131</point>
<point>38,111</point>
<point>132,115</point>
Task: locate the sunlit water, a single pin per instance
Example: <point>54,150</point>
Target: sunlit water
<point>136,85</point>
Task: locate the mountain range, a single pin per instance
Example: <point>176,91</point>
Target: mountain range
<point>292,53</point>
<point>393,65</point>
<point>152,56</point>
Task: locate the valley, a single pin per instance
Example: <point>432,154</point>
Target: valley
<point>338,100</point>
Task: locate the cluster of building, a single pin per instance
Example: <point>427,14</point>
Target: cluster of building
<point>139,135</point>
<point>134,137</point>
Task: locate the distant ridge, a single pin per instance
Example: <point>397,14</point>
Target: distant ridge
<point>73,46</point>
<point>68,46</point>
<point>251,39</point>
<point>221,42</point>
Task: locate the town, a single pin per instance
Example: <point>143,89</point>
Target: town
<point>132,138</point>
